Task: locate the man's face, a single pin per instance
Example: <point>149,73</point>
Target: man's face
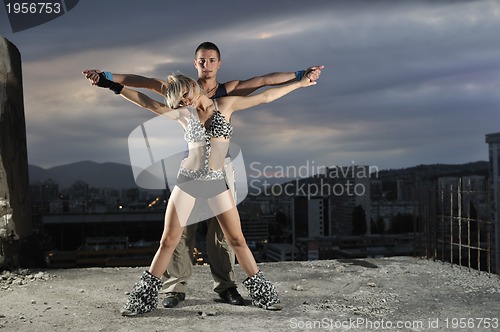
<point>207,63</point>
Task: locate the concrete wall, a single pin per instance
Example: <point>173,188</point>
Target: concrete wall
<point>15,204</point>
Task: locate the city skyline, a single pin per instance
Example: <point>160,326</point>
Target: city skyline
<point>404,84</point>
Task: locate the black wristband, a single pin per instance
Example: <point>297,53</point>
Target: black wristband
<point>105,83</point>
<point>116,87</point>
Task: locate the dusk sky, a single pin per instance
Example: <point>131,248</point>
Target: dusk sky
<point>405,82</point>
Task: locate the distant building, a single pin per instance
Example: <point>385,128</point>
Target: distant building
<point>79,197</point>
<point>255,228</point>
<point>311,217</point>
<point>45,197</point>
<point>350,187</point>
<point>279,252</point>
<point>405,190</point>
<point>493,141</point>
<point>314,248</point>
<point>254,224</point>
<point>376,190</point>
<point>388,210</point>
<point>475,196</point>
<point>324,204</point>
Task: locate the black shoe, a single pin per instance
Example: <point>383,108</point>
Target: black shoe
<point>173,299</point>
<point>232,296</point>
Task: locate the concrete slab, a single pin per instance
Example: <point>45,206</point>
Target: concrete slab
<point>384,294</point>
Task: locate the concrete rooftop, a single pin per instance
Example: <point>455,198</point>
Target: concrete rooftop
<point>385,294</point>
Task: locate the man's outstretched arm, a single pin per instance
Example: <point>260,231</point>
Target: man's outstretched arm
<point>130,80</point>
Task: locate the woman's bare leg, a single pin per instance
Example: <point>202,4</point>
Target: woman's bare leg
<point>144,296</point>
<point>261,290</point>
<point>178,210</point>
<point>229,221</point>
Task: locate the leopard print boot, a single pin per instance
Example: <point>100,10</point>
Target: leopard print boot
<point>144,296</point>
<point>262,292</point>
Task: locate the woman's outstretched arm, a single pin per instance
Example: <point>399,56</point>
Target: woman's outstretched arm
<point>141,100</point>
<point>244,88</point>
<point>135,97</point>
<point>234,103</point>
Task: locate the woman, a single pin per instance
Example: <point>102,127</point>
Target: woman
<point>201,177</point>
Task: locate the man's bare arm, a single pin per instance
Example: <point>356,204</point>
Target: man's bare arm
<point>130,80</point>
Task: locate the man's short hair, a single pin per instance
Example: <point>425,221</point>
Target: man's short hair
<point>207,46</point>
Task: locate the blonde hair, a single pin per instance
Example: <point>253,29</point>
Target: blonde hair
<point>180,87</point>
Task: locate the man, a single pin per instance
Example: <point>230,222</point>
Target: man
<point>207,62</point>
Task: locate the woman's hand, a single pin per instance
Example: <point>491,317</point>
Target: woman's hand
<point>99,79</point>
<point>92,75</point>
<point>314,72</point>
<point>311,76</point>
<point>306,81</point>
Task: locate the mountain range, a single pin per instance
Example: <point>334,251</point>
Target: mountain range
<point>99,175</point>
<point>115,175</point>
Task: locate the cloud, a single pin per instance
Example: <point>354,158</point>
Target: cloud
<point>405,83</point>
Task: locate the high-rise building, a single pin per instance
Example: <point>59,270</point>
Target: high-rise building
<point>350,188</point>
<point>45,196</point>
<point>311,217</point>
<point>324,204</point>
<point>493,141</point>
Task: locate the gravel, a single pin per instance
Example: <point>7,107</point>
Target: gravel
<point>333,295</point>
